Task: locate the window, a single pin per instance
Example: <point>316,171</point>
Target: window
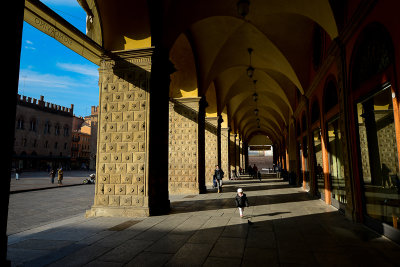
<point>32,125</point>
<point>57,130</point>
<point>318,163</point>
<point>20,123</point>
<point>378,156</point>
<point>47,127</point>
<point>336,167</point>
<point>66,131</point>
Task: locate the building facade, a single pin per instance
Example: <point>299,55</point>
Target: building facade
<point>84,141</point>
<point>42,134</point>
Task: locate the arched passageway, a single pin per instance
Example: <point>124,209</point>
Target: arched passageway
<point>186,85</point>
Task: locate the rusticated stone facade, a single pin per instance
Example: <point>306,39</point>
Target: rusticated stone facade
<point>211,148</point>
<point>121,188</point>
<point>184,139</point>
<point>225,151</point>
<point>232,153</point>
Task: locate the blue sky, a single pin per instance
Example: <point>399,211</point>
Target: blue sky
<point>50,69</point>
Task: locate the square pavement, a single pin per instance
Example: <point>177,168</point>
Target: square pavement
<point>287,228</point>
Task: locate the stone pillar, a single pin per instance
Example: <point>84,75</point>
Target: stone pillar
<point>211,148</point>
<point>325,165</point>
<point>232,154</point>
<point>237,153</point>
<point>353,209</point>
<point>225,151</point>
<point>186,146</point>
<point>132,151</point>
<point>246,156</point>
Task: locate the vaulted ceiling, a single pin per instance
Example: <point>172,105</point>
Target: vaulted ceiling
<point>208,42</point>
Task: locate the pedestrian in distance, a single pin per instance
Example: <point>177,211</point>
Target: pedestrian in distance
<point>218,175</point>
<point>17,173</point>
<point>255,171</point>
<point>241,201</point>
<point>60,176</point>
<point>52,175</point>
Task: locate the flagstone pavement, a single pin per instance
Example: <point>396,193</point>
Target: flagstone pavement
<point>283,226</point>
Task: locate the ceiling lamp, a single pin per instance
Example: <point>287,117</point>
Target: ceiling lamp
<point>256,111</point>
<point>243,8</point>
<point>250,69</point>
<point>255,95</point>
<point>258,120</point>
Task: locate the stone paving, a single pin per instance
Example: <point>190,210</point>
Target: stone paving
<point>41,180</point>
<point>283,226</point>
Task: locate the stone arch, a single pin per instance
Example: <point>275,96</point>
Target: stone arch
<point>184,79</point>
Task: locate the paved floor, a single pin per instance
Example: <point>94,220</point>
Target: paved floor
<point>39,180</point>
<point>288,228</point>
<point>29,210</point>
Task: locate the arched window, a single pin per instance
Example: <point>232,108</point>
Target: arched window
<point>314,112</point>
<point>374,54</point>
<point>318,46</point>
<point>330,96</point>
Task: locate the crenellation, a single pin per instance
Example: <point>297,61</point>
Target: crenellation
<point>41,104</point>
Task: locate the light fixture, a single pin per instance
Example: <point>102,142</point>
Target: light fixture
<point>256,111</point>
<point>250,69</point>
<point>258,120</point>
<point>243,8</point>
<point>255,95</point>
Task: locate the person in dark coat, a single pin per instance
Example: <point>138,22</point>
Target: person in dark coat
<point>52,175</point>
<point>218,175</point>
<point>241,201</point>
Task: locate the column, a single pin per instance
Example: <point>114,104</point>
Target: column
<point>246,156</point>
<point>225,151</point>
<point>132,148</point>
<point>237,153</point>
<point>353,209</point>
<point>14,32</point>
<point>232,154</point>
<point>211,148</point>
<point>186,146</point>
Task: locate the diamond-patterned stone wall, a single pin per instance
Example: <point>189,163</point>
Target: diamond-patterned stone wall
<point>211,148</point>
<point>183,146</point>
<point>122,151</point>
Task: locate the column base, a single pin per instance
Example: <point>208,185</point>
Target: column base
<point>101,211</point>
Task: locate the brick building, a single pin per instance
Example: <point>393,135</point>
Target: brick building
<point>42,134</point>
<point>84,141</point>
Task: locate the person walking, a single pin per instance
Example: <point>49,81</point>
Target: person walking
<point>241,201</point>
<point>60,176</point>
<point>52,175</point>
<point>255,171</point>
<point>218,175</point>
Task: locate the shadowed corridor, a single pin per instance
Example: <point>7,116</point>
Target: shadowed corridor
<point>289,228</point>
